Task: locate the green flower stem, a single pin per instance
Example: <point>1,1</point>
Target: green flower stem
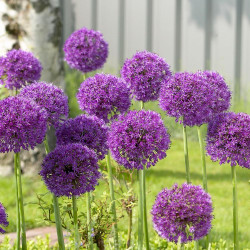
<point>56,209</point>
<point>145,221</point>
<point>140,212</point>
<point>46,145</point>
<point>58,223</point>
<point>21,206</point>
<point>186,153</point>
<point>18,230</point>
<point>129,228</point>
<point>204,169</point>
<point>144,200</point>
<point>140,206</point>
<point>77,236</point>
<point>235,209</point>
<point>203,159</point>
<point>90,239</point>
<point>112,195</point>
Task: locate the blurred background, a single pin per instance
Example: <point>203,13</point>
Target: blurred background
<point>189,34</point>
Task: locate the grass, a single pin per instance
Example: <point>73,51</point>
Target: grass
<point>167,172</point>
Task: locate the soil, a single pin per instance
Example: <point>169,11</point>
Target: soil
<point>33,233</point>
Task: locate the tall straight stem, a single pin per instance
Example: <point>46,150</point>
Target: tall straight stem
<point>204,169</point>
<point>140,212</point>
<point>56,209</point>
<point>18,230</point>
<point>21,207</point>
<point>186,153</point>
<point>235,209</point>
<point>145,221</point>
<point>130,215</point>
<point>112,195</point>
<point>90,240</point>
<point>58,223</point>
<point>77,236</point>
<point>144,200</point>
<point>203,159</point>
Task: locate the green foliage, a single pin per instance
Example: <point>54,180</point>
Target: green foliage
<point>3,92</point>
<point>156,243</point>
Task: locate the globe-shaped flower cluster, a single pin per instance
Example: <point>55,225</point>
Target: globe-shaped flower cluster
<point>138,138</point>
<point>221,95</point>
<point>228,139</point>
<point>3,218</point>
<point>183,212</point>
<point>23,124</point>
<point>86,130</point>
<point>49,97</point>
<point>145,72</point>
<point>194,98</point>
<point>104,95</point>
<point>86,50</point>
<point>70,170</point>
<point>19,68</point>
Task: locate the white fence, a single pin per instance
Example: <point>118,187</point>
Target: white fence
<point>189,34</point>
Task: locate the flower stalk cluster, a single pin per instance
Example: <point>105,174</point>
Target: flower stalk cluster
<point>135,139</point>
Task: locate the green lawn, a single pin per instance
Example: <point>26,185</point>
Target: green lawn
<point>167,172</point>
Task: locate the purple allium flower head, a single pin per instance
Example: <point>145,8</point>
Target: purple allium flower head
<point>22,124</point>
<point>195,97</point>
<point>137,139</point>
<point>49,97</point>
<point>104,95</point>
<point>144,73</point>
<point>70,170</point>
<point>19,68</point>
<point>3,218</point>
<point>87,130</point>
<point>228,139</point>
<point>86,50</point>
<point>184,212</point>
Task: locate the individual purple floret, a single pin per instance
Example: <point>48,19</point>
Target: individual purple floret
<point>86,50</point>
<point>228,139</point>
<point>87,130</point>
<point>70,170</point>
<point>104,95</point>
<point>3,218</point>
<point>195,98</point>
<point>22,124</point>
<point>137,139</point>
<point>144,73</point>
<point>19,68</point>
<point>49,97</point>
<point>182,212</point>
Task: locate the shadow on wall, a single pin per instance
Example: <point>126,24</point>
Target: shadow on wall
<point>68,18</point>
<point>221,8</point>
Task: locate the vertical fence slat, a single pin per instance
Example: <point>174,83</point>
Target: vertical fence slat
<point>94,16</point>
<point>238,50</point>
<point>178,28</point>
<point>149,28</point>
<point>208,33</point>
<point>121,31</point>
